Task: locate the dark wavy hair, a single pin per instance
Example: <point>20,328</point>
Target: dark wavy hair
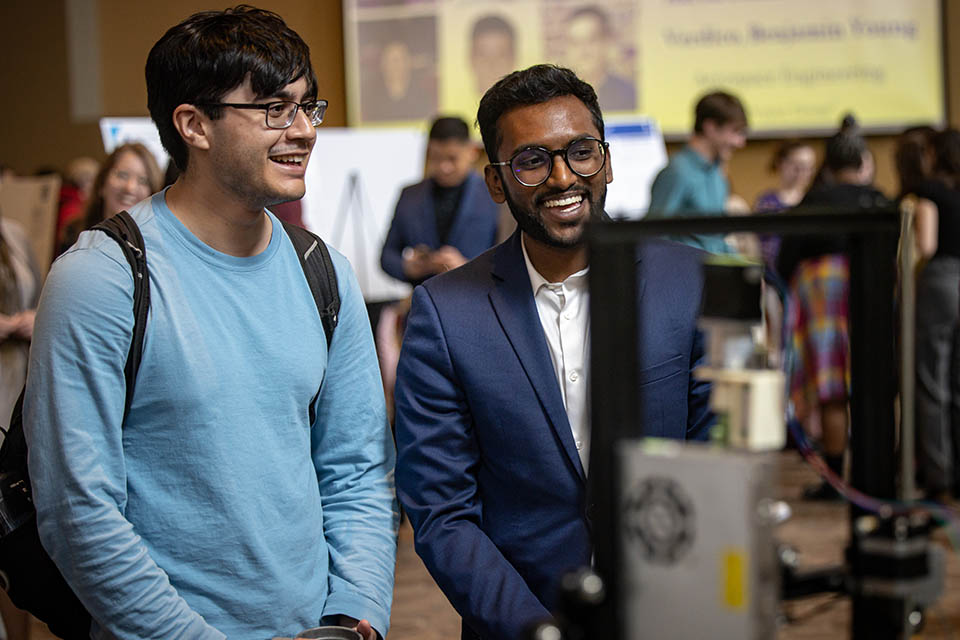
<point>211,53</point>
<point>914,156</point>
<point>946,146</point>
<point>534,85</point>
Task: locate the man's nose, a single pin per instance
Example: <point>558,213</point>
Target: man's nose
<point>561,176</point>
<point>301,127</point>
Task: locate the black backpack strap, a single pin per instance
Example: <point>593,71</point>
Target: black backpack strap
<point>125,231</point>
<point>321,276</point>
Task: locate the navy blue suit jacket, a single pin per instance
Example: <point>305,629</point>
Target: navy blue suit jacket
<point>474,228</point>
<point>487,468</point>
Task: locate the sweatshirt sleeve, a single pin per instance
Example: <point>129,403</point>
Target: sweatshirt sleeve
<point>354,456</point>
<point>73,413</point>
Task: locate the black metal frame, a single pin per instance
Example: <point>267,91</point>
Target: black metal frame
<point>873,237</point>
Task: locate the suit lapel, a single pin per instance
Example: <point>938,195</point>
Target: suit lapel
<point>463,221</point>
<point>427,216</point>
<point>512,300</point>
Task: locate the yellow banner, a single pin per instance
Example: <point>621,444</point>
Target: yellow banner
<point>797,66</point>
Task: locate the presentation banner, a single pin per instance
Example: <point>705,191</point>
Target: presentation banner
<point>797,66</point>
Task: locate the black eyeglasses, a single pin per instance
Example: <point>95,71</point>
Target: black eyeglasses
<point>281,114</point>
<point>533,166</point>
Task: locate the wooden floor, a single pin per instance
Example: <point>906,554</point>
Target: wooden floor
<point>818,531</point>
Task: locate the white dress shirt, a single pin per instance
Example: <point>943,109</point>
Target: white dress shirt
<point>564,309</point>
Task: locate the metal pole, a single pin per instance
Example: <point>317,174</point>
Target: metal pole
<point>908,300</point>
<point>872,429</point>
<point>614,403</point>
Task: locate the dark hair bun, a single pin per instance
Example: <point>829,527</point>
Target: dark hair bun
<point>849,124</point>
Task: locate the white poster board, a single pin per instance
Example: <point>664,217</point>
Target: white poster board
<point>118,131</point>
<point>353,182</point>
<point>637,153</point>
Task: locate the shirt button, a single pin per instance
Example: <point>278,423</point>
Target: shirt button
<point>567,316</point>
<point>574,376</point>
<point>579,445</point>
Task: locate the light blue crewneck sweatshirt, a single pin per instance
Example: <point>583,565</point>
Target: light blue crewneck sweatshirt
<point>218,509</point>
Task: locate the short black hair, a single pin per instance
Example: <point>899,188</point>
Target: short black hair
<point>449,128</point>
<point>213,52</point>
<point>720,107</point>
<point>492,24</point>
<point>534,85</point>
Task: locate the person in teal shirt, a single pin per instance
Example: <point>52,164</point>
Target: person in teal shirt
<point>693,183</point>
<point>249,492</point>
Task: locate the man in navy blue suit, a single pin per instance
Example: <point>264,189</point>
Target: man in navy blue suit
<point>493,414</point>
<point>446,219</point>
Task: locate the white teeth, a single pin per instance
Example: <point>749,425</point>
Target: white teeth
<point>562,202</point>
<point>288,159</point>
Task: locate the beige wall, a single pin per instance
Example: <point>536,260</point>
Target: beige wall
<point>37,129</point>
<point>35,110</point>
<point>35,105</point>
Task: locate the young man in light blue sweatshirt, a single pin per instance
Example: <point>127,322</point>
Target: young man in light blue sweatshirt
<point>249,492</point>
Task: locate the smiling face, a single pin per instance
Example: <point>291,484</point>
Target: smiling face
<point>556,212</point>
<point>797,169</point>
<point>725,138</point>
<point>126,183</point>
<point>254,163</point>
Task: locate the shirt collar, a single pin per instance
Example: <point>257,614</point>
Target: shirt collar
<point>537,280</point>
<point>699,159</point>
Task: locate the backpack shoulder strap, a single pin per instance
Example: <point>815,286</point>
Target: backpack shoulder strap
<point>124,230</point>
<point>321,276</point>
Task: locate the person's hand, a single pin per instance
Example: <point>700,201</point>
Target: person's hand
<point>23,327</point>
<point>8,326</point>
<point>417,263</point>
<point>361,626</point>
<point>446,258</point>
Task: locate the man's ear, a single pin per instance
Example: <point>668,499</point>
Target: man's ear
<point>192,125</point>
<point>608,167</point>
<point>708,128</point>
<point>494,184</point>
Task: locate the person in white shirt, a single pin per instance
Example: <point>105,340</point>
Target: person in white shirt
<point>493,410</point>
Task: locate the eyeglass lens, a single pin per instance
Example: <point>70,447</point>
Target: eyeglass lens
<point>280,115</point>
<point>533,166</point>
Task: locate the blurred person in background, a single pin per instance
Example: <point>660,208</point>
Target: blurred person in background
<point>439,224</point>
<point>818,272</point>
<point>938,320</point>
<point>493,51</point>
<point>128,175</point>
<point>794,162</point>
<point>591,45</point>
<point>445,219</point>
<point>694,182</point>
<point>75,190</point>
<point>19,289</point>
<point>914,157</point>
